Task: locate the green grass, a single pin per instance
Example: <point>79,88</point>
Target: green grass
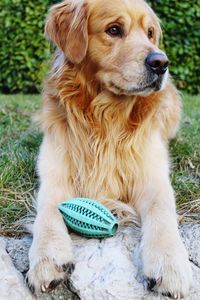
<point>185,153</point>
<point>19,144</point>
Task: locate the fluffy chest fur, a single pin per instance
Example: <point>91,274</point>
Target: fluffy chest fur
<point>104,150</point>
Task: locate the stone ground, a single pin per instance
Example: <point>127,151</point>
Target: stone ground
<point>106,269</point>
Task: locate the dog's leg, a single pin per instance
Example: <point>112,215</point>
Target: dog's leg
<point>165,259</point>
<point>51,254</point>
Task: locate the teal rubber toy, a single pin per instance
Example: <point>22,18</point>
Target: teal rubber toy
<point>88,217</point>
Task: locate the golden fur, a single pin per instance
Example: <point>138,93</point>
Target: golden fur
<point>106,138</point>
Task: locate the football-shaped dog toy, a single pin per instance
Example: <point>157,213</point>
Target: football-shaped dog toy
<point>88,217</point>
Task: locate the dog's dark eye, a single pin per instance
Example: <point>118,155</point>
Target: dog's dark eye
<point>150,33</point>
<point>115,31</point>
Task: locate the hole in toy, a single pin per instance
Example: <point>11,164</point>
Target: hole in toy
<point>114,228</point>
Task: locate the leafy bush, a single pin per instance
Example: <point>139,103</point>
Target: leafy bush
<point>23,49</point>
<point>24,52</point>
<point>181,28</point>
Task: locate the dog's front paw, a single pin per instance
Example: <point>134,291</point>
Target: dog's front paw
<point>45,275</point>
<point>168,271</point>
<point>49,267</point>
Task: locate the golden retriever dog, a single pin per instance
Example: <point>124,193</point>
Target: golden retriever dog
<point>109,110</point>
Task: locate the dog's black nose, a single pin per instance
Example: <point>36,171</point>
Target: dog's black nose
<point>157,62</point>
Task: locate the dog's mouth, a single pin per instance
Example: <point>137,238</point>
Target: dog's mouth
<point>155,85</point>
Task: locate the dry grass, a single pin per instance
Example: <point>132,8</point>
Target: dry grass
<point>19,143</point>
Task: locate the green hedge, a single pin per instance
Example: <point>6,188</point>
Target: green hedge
<point>23,49</point>
<point>24,52</point>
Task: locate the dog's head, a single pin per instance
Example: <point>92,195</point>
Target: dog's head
<point>120,38</point>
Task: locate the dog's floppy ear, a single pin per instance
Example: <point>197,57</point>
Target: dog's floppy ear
<point>66,26</point>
